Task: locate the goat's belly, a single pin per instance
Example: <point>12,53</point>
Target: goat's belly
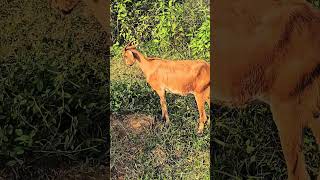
<point>181,92</point>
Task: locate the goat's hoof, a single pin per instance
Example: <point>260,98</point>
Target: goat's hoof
<point>167,123</point>
<point>200,132</point>
<point>200,128</point>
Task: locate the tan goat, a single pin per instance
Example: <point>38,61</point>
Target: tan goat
<point>179,77</point>
<point>269,50</point>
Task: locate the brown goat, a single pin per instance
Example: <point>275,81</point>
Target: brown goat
<point>269,50</point>
<point>179,77</point>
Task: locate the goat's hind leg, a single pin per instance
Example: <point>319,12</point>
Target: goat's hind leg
<point>201,99</point>
<point>291,135</point>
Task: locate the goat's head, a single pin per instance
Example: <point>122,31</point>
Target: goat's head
<point>128,55</point>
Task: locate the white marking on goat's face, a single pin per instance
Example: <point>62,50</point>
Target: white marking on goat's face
<point>128,58</point>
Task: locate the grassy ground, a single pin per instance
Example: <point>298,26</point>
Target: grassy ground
<point>246,145</point>
<point>79,171</point>
<point>141,146</point>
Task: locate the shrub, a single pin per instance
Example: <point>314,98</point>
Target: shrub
<point>164,28</point>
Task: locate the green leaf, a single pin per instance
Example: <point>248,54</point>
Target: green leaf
<point>67,95</point>
<point>23,139</point>
<point>40,85</point>
<point>19,150</point>
<point>19,132</point>
<point>11,163</point>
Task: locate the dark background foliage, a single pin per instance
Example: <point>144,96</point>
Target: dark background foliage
<point>53,87</point>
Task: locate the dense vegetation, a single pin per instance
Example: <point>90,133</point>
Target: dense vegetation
<point>53,89</point>
<point>173,29</point>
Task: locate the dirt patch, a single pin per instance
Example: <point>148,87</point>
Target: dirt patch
<point>133,123</point>
<point>159,154</point>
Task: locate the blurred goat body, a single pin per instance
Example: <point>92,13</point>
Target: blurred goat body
<point>268,50</point>
<point>181,77</point>
<point>98,8</point>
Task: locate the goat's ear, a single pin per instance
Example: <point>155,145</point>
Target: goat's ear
<point>136,55</point>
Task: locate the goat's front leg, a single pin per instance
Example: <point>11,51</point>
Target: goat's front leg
<point>164,108</point>
<point>201,99</point>
<point>290,128</point>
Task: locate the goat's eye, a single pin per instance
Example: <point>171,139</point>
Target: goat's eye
<point>316,115</point>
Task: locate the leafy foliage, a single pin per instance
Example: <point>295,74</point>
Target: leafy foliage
<point>165,28</point>
<point>201,42</point>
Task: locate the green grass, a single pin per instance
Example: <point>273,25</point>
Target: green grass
<point>246,145</point>
<point>157,151</point>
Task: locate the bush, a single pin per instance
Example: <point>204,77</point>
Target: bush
<point>165,28</point>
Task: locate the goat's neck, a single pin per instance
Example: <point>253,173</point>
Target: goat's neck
<point>145,65</point>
